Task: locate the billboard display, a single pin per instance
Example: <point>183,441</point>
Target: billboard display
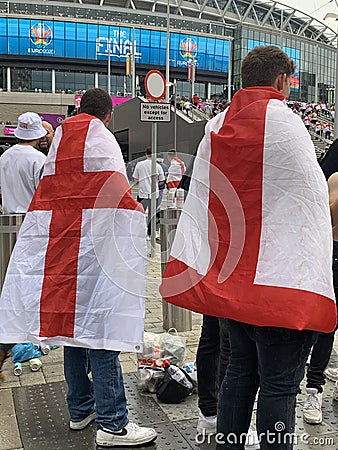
<point>36,38</point>
<point>292,53</point>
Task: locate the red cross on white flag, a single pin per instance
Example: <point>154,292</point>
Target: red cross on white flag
<point>77,273</point>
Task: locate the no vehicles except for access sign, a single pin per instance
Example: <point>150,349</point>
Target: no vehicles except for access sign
<point>155,112</point>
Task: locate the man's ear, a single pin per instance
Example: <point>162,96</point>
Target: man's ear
<point>108,119</point>
<point>279,82</point>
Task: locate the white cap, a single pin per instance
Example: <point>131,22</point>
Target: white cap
<point>29,127</point>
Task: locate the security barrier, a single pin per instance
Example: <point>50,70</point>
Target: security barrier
<point>9,229</point>
<point>173,316</point>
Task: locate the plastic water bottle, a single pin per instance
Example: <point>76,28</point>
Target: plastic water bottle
<point>191,369</point>
<point>177,375</point>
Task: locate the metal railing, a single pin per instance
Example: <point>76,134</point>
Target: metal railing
<point>9,229</point>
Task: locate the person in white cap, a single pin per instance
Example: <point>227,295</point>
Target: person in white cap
<point>21,165</point>
<point>20,171</point>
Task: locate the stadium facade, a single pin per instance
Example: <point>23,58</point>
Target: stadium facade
<point>62,47</point>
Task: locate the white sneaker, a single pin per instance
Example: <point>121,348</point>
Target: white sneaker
<point>252,441</point>
<point>130,435</point>
<point>81,424</point>
<point>206,425</point>
<point>312,409</point>
<point>331,374</point>
<point>335,392</point>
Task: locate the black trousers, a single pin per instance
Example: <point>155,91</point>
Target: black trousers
<point>211,360</point>
<point>322,349</point>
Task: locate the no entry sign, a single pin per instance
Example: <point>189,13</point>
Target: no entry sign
<point>155,85</point>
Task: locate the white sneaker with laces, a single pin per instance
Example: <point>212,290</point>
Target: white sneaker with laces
<point>130,436</point>
<point>206,425</point>
<point>81,424</point>
<point>331,374</point>
<point>312,408</point>
<point>252,441</point>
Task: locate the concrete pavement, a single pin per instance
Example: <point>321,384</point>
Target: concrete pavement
<point>180,420</point>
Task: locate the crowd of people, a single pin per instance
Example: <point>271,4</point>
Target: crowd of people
<point>316,116</point>
<point>253,254</point>
<point>210,107</point>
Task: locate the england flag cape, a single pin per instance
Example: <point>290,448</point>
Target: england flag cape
<point>77,275</point>
<point>254,240</point>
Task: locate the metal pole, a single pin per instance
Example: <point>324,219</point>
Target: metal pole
<point>230,71</point>
<point>167,80</point>
<point>175,116</point>
<point>316,77</point>
<point>335,134</point>
<point>153,187</point>
<point>133,74</point>
<point>108,86</point>
<point>281,29</point>
<point>192,78</point>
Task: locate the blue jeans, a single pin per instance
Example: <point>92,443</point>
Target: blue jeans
<point>273,360</point>
<point>105,393</point>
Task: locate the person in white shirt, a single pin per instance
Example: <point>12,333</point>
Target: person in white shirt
<point>176,169</point>
<point>20,171</point>
<point>186,107</point>
<point>21,165</point>
<point>142,176</point>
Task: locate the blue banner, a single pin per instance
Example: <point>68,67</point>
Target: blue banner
<point>53,38</point>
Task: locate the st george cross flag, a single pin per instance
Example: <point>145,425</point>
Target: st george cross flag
<point>254,240</point>
<point>77,275</point>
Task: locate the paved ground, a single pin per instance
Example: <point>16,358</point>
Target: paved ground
<point>33,412</point>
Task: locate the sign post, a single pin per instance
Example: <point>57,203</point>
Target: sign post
<point>155,86</point>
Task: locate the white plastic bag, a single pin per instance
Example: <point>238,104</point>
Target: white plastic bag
<point>161,348</point>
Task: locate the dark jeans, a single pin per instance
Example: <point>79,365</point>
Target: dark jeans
<point>211,359</point>
<point>146,203</point>
<point>273,360</point>
<point>322,349</point>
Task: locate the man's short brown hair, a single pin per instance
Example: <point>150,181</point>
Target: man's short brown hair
<point>263,64</point>
<point>96,102</point>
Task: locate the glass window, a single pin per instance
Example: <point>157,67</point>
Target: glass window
<point>59,47</point>
<point>42,79</point>
<point>93,32</point>
<point>23,79</point>
<point>81,32</point>
<point>70,82</point>
<point>70,31</point>
<point>81,50</point>
<point>3,27</point>
<point>13,27</point>
<point>59,30</point>
<point>70,49</point>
